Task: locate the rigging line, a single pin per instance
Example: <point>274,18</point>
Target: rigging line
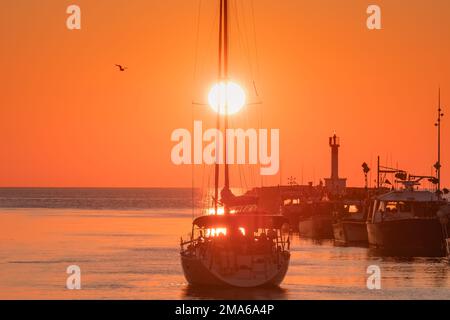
<point>197,40</point>
<point>255,44</point>
<point>247,123</point>
<point>254,87</point>
<point>245,179</point>
<point>206,198</point>
<point>252,7</point>
<point>253,174</point>
<point>206,58</point>
<point>246,183</point>
<point>205,173</point>
<point>240,177</point>
<point>207,203</point>
<point>241,173</point>
<point>254,37</point>
<point>250,169</point>
<point>243,37</point>
<point>202,190</point>
<point>200,62</point>
<point>203,181</point>
<point>240,36</point>
<point>246,40</point>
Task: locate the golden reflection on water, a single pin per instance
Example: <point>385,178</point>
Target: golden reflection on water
<point>135,255</point>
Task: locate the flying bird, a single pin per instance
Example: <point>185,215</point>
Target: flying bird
<point>121,68</point>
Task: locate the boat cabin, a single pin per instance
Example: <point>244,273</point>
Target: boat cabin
<point>351,210</point>
<point>239,232</point>
<point>405,204</point>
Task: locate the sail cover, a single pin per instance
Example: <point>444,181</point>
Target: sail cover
<point>240,220</point>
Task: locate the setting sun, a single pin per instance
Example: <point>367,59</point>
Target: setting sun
<point>226,98</point>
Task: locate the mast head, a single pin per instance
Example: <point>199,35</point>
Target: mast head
<point>334,141</point>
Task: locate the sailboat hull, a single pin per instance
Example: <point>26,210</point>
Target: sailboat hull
<point>202,272</point>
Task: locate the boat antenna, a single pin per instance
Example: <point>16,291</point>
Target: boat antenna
<point>378,172</point>
<point>437,165</point>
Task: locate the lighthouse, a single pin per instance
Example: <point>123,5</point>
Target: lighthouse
<point>335,184</point>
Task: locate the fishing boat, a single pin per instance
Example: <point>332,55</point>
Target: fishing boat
<point>349,226</point>
<point>410,221</point>
<point>447,242</point>
<point>294,210</point>
<point>317,224</point>
<point>444,217</point>
<point>234,244</point>
<point>297,202</point>
<point>406,222</point>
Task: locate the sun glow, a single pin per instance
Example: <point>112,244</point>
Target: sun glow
<point>226,98</point>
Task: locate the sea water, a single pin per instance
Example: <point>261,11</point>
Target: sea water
<point>126,243</point>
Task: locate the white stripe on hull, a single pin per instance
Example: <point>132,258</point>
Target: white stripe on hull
<point>350,232</point>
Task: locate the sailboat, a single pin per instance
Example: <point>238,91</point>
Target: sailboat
<point>235,245</point>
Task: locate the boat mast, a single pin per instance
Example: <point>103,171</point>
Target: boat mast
<point>219,74</point>
<point>223,79</point>
<point>437,166</point>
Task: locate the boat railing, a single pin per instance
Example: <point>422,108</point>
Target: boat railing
<point>257,244</point>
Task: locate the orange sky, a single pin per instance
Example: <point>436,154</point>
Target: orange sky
<point>69,118</point>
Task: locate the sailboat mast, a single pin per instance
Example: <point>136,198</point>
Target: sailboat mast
<point>225,71</point>
<point>216,168</point>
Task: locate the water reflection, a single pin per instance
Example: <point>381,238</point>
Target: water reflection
<point>225,293</point>
<point>321,270</point>
<point>119,261</point>
<point>354,245</point>
<point>378,252</point>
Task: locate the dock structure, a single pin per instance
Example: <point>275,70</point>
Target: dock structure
<point>271,198</point>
